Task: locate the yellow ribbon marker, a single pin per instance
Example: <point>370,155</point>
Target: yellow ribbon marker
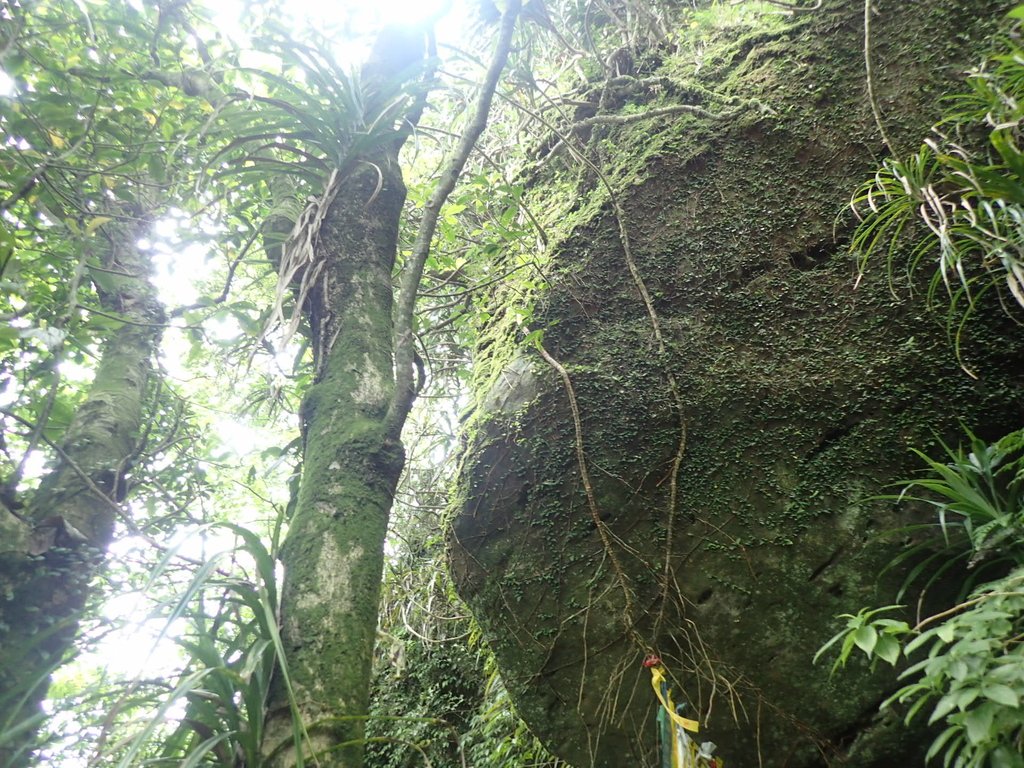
<point>657,678</point>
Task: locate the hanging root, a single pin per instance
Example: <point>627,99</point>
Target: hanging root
<point>629,600</point>
<point>300,266</point>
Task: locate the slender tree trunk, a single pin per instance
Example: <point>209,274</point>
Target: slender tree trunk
<point>334,551</point>
<point>352,420</point>
<point>50,553</point>
<point>351,459</point>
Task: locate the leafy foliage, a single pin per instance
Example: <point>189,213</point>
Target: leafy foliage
<point>125,111</point>
<point>974,674</point>
<point>971,676</point>
<point>498,737</point>
<point>222,616</point>
<point>304,118</point>
<point>979,498</point>
<point>232,654</point>
<point>93,142</point>
<point>966,186</point>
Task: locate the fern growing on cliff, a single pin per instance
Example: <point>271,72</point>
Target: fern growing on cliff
<point>965,186</point>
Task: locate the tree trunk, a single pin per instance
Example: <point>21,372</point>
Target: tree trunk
<point>334,552</point>
<point>353,415</point>
<point>51,553</point>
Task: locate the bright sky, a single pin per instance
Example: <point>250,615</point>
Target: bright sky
<point>359,17</point>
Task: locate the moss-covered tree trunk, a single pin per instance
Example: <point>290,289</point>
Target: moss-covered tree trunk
<point>51,549</point>
<point>352,454</point>
<point>334,551</point>
<point>353,414</point>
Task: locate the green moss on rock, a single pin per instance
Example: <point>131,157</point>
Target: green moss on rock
<point>801,394</point>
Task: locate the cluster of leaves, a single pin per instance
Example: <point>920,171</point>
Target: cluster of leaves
<point>498,737</point>
<point>221,614</point>
<point>424,694</point>
<point>102,140</point>
<point>437,696</point>
<point>113,116</point>
<point>133,112</point>
<point>74,162</point>
<point>966,185</point>
<point>974,674</point>
<point>966,664</point>
<point>232,646</point>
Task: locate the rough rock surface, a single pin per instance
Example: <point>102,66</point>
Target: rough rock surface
<point>801,395</point>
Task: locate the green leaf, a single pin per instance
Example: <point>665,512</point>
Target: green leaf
<point>888,649</point>
<point>1001,694</point>
<point>103,279</point>
<point>1003,757</point>
<point>95,223</point>
<point>965,697</point>
<point>944,706</point>
<point>940,741</point>
<point>978,723</point>
<point>866,637</point>
<point>6,245</point>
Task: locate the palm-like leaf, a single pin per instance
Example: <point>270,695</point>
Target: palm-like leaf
<point>232,650</point>
<point>969,194</point>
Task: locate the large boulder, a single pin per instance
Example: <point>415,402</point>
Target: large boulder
<point>725,515</point>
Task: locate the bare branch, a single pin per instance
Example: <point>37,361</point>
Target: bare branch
<point>404,339</point>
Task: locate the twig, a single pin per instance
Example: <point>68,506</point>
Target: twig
<point>126,321</point>
<point>869,75</point>
<point>32,179</point>
<point>962,607</point>
<point>226,290</point>
<point>11,486</point>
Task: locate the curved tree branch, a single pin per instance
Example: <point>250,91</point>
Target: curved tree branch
<point>404,338</point>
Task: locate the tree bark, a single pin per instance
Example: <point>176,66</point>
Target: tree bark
<point>50,553</point>
<point>334,551</point>
<point>352,420</point>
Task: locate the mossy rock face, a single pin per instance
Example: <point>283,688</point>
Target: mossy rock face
<point>801,393</point>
